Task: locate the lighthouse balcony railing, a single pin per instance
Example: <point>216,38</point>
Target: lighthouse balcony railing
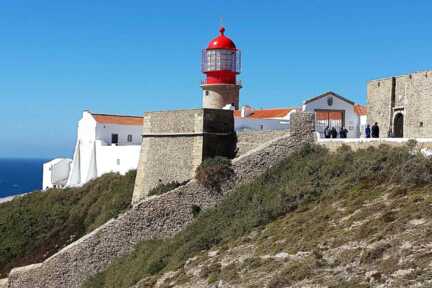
<point>205,82</point>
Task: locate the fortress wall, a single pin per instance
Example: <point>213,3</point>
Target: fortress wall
<point>248,140</point>
<point>154,218</point>
<point>410,95</point>
<point>379,105</point>
<point>175,143</point>
<point>416,91</point>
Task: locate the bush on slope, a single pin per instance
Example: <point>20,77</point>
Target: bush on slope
<point>37,225</point>
<point>309,175</point>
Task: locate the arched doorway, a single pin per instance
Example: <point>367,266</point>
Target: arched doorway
<point>398,125</point>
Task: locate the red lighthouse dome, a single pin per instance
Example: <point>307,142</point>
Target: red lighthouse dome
<point>221,42</point>
<point>221,60</point>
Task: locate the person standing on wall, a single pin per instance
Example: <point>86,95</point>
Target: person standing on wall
<point>343,132</point>
<point>327,132</point>
<point>375,130</point>
<point>333,132</point>
<point>368,131</point>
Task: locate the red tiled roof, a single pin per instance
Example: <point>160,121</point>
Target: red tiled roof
<point>360,109</point>
<point>266,113</point>
<point>118,119</point>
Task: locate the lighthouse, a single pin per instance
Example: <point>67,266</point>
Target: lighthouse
<point>221,65</point>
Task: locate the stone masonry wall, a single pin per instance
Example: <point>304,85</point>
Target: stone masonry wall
<point>302,125</point>
<point>379,106</point>
<point>412,96</point>
<point>175,143</point>
<point>248,140</point>
<point>154,218</point>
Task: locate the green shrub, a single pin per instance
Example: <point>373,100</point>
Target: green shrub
<point>35,226</point>
<point>195,210</point>
<point>213,277</point>
<point>213,172</point>
<point>164,188</point>
<point>308,175</point>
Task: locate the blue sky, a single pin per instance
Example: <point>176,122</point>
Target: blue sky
<point>58,58</point>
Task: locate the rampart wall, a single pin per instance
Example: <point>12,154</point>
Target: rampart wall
<point>248,140</point>
<point>175,143</point>
<point>409,95</point>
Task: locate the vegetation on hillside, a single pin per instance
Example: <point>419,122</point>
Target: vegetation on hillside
<point>212,172</point>
<point>163,188</point>
<point>37,225</point>
<point>293,207</point>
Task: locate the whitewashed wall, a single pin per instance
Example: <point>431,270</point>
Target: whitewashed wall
<point>363,124</point>
<point>55,173</point>
<point>104,132</point>
<point>120,159</point>
<point>260,124</point>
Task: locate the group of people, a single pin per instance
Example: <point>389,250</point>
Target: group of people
<point>374,131</point>
<point>333,133</point>
<point>343,132</point>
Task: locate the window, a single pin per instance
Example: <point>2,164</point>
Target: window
<point>114,139</point>
<point>129,138</point>
<point>118,161</point>
<point>421,124</point>
<point>206,93</point>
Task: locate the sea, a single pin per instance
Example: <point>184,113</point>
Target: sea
<point>19,176</point>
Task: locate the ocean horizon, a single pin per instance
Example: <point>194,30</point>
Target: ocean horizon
<point>20,175</point>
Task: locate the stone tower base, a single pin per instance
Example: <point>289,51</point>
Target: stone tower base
<point>175,143</point>
<point>217,96</point>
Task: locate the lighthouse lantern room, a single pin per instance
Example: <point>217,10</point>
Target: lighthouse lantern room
<point>221,63</point>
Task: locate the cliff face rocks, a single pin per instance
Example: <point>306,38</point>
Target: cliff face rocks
<point>155,218</point>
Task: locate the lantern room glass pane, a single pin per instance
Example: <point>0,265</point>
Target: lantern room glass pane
<point>221,60</point>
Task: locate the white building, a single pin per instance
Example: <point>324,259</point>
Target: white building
<point>105,143</point>
<point>333,110</point>
<point>263,119</point>
<point>56,173</point>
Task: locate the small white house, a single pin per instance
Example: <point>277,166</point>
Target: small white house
<point>333,110</point>
<point>56,173</point>
<point>263,119</point>
<point>105,143</point>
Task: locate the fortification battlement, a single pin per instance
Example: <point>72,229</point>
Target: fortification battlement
<point>423,73</point>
